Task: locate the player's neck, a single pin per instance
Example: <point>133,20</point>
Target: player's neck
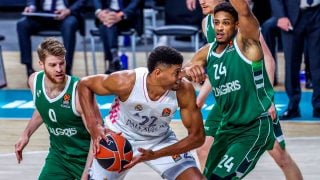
<point>221,47</point>
<point>53,89</point>
<point>154,89</point>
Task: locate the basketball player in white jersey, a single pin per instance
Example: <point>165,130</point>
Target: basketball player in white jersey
<point>146,100</point>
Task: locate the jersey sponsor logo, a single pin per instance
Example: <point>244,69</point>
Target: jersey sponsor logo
<point>63,132</point>
<point>147,125</point>
<point>166,112</point>
<point>227,88</point>
<point>66,101</point>
<point>187,155</point>
<point>138,107</point>
<point>176,157</point>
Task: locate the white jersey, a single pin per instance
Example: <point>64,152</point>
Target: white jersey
<point>145,123</point>
<point>139,117</point>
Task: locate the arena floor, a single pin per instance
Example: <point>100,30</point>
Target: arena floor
<point>303,138</point>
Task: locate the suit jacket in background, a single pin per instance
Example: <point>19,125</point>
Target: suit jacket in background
<point>130,7</point>
<point>286,8</point>
<point>77,7</point>
<point>133,9</point>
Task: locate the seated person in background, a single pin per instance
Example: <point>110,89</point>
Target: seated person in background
<point>68,20</point>
<point>114,16</point>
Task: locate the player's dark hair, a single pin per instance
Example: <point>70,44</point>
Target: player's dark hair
<point>163,55</point>
<point>226,7</point>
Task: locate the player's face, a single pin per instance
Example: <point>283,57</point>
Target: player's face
<point>208,6</point>
<point>224,26</point>
<point>171,77</point>
<point>54,68</point>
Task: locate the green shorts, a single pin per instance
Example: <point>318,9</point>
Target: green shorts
<point>213,121</point>
<point>56,167</point>
<point>235,152</point>
<point>278,134</point>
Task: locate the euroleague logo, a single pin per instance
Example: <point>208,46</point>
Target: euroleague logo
<point>138,107</point>
<point>66,101</point>
<point>166,112</point>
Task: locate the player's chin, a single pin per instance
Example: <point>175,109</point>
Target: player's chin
<point>205,10</point>
<point>59,80</point>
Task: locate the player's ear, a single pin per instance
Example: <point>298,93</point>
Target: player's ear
<point>157,71</point>
<point>237,25</point>
<point>41,64</point>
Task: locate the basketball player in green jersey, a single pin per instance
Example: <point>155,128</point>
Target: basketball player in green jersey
<point>278,153</point>
<point>57,106</point>
<point>242,91</point>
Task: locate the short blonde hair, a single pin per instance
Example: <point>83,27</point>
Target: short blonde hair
<point>51,46</point>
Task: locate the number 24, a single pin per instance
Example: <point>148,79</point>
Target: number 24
<point>226,161</point>
<point>219,70</point>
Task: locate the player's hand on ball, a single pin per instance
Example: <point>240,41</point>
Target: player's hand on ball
<point>97,134</point>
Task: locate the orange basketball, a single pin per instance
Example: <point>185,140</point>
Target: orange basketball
<point>114,153</point>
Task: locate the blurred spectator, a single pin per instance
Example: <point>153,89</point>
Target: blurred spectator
<point>261,9</point>
<point>177,12</point>
<point>272,35</point>
<point>184,15</point>
<point>114,16</point>
<point>299,21</point>
<point>68,20</point>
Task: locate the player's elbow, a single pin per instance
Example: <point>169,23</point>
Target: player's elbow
<point>198,138</point>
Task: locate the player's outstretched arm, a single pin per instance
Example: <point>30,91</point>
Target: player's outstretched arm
<point>119,84</point>
<point>191,118</point>
<point>194,70</point>
<point>204,92</point>
<point>248,23</point>
<point>87,87</point>
<point>268,59</point>
<point>32,126</point>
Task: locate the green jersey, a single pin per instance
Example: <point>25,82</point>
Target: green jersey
<point>241,87</point>
<point>68,135</point>
<point>209,31</point>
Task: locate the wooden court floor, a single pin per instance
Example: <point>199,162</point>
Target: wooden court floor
<point>303,138</point>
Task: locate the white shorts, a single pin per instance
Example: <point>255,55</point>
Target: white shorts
<point>168,167</point>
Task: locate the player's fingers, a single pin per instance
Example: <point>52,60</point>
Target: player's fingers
<point>193,76</point>
<point>141,150</point>
<point>201,73</point>
<point>18,155</point>
<point>131,164</point>
<point>96,147</point>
